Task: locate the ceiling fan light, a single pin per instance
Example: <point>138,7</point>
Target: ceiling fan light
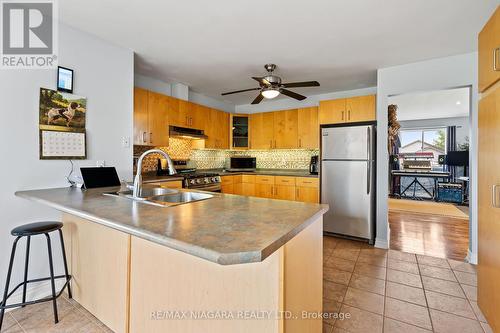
<point>270,93</point>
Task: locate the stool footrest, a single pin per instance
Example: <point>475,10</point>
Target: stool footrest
<point>44,299</point>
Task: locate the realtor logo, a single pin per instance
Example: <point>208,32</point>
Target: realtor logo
<point>28,34</point>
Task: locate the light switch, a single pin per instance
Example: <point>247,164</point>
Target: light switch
<point>126,142</point>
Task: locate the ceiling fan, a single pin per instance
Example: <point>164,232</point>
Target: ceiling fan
<point>270,86</point>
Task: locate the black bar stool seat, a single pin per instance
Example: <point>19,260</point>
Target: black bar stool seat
<point>36,228</point>
<point>29,230</point>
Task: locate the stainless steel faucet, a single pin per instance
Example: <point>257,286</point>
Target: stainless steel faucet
<point>138,177</point>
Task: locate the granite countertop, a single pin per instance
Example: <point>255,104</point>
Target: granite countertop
<point>226,229</point>
<point>151,177</point>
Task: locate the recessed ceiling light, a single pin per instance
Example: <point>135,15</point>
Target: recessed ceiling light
<point>458,103</point>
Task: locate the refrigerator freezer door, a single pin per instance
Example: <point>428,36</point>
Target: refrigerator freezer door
<point>344,186</point>
<point>345,143</point>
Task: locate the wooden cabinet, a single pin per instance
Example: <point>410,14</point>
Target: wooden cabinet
<point>361,108</point>
<point>488,269</point>
<point>239,129</point>
<point>168,184</point>
<point>332,111</point>
<point>150,118</point>
<point>158,119</point>
<point>141,118</point>
<point>217,129</point>
<point>284,188</point>
<point>347,110</point>
<point>308,128</point>
<point>285,129</point>
<point>262,130</point>
<point>307,189</point>
<point>489,52</point>
<point>304,189</point>
<point>264,186</point>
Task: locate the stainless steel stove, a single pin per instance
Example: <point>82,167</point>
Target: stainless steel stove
<point>202,181</point>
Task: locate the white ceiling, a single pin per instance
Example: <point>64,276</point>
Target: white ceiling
<point>432,105</point>
<point>215,46</point>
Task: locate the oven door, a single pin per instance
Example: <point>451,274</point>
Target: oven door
<point>209,188</point>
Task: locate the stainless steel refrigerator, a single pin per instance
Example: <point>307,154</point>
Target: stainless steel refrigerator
<point>348,179</point>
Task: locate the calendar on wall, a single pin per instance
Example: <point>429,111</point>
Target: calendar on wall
<point>62,145</point>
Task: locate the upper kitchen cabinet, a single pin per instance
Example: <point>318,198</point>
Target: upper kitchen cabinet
<point>150,118</point>
<point>262,130</point>
<point>186,114</point>
<point>285,129</point>
<point>158,119</point>
<point>489,52</point>
<point>308,128</point>
<point>347,110</point>
<point>360,108</point>
<point>239,125</point>
<point>332,111</point>
<point>217,129</point>
<point>141,119</point>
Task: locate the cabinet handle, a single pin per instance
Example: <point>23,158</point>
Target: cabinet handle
<point>300,142</point>
<point>150,137</point>
<point>342,115</point>
<point>297,193</point>
<point>495,52</point>
<point>271,143</point>
<point>144,137</point>
<point>494,196</point>
<point>348,114</point>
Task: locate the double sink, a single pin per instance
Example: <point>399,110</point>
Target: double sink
<point>159,196</point>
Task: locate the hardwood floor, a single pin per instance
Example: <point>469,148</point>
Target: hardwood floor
<point>432,235</point>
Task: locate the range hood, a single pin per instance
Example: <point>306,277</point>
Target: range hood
<point>186,133</point>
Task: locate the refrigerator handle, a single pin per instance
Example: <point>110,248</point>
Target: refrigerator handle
<point>369,161</point>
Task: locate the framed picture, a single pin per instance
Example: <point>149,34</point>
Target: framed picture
<point>62,145</point>
<point>64,79</point>
<point>61,111</point>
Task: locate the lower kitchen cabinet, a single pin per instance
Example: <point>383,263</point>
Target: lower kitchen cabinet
<point>307,194</point>
<point>169,184</point>
<point>284,192</point>
<point>305,189</point>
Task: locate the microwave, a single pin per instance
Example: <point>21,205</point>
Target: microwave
<point>243,163</point>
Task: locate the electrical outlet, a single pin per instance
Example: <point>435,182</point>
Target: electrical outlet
<point>101,163</point>
<point>126,142</point>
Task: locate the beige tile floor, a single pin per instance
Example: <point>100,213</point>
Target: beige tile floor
<point>392,291</point>
<point>39,318</point>
<point>382,291</point>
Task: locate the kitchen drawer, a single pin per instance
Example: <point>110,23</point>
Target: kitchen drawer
<point>248,179</point>
<point>227,180</point>
<point>284,180</point>
<point>169,184</point>
<point>307,182</point>
<point>264,179</point>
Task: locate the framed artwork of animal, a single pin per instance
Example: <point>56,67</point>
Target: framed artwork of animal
<point>61,111</point>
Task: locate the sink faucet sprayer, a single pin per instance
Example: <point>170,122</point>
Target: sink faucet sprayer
<point>138,176</point>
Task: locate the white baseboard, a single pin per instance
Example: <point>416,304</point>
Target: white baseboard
<point>381,243</point>
<point>471,257</point>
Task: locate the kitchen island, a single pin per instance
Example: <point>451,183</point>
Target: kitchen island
<point>226,264</point>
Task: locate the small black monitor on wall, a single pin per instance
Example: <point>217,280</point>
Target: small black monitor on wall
<point>64,79</point>
<point>457,158</point>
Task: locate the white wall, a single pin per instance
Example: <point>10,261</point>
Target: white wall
<point>442,73</point>
<point>289,103</point>
<point>103,74</point>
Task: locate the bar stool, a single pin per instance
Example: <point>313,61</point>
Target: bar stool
<point>28,230</point>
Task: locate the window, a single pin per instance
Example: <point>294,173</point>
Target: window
<point>428,140</point>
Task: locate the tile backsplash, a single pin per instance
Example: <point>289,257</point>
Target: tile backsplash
<point>182,149</point>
